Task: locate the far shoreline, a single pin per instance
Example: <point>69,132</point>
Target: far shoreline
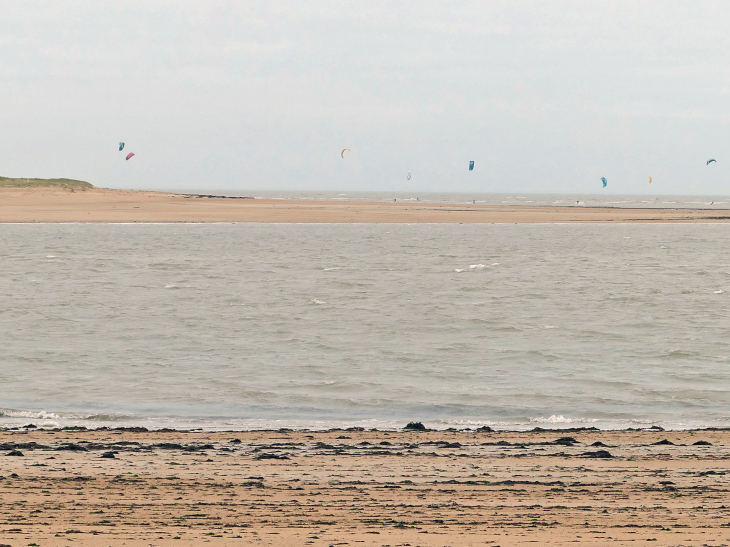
<point>98,205</point>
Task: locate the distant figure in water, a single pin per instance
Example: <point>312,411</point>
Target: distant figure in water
<point>474,201</point>
<point>393,200</point>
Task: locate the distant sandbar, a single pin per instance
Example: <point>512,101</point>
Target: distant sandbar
<point>54,204</point>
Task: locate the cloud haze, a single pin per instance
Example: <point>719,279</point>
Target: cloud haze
<point>544,96</point>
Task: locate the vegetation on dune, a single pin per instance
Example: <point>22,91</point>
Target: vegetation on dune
<point>7,182</point>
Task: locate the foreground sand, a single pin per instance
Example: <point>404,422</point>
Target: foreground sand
<point>364,488</point>
<point>100,205</point>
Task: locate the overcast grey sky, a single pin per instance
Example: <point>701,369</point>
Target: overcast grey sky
<point>241,95</point>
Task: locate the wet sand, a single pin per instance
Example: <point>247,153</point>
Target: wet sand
<point>101,205</point>
<point>351,487</point>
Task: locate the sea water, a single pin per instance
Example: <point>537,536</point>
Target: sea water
<point>237,326</point>
<point>633,201</point>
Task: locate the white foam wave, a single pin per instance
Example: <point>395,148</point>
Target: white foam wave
<point>478,266</point>
<point>316,301</point>
<point>457,270</point>
<point>560,420</point>
<point>252,424</point>
<point>42,415</point>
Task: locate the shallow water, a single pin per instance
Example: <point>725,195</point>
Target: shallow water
<point>604,199</point>
<point>226,326</point>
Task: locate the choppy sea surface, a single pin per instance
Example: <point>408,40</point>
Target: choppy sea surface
<point>244,326</point>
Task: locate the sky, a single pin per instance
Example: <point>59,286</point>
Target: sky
<point>545,97</point>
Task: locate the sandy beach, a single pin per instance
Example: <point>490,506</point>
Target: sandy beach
<point>370,488</point>
<point>103,205</point>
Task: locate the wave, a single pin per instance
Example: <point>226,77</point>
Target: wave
<point>561,420</point>
<point>20,418</point>
<point>41,415</point>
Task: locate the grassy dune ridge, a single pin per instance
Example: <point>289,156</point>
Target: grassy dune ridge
<point>7,182</point>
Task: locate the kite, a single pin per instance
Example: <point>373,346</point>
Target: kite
<point>130,155</point>
<point>471,166</point>
<point>408,176</point>
<point>121,146</point>
<point>649,180</point>
<point>343,152</point>
<point>604,181</point>
<point>710,161</point>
